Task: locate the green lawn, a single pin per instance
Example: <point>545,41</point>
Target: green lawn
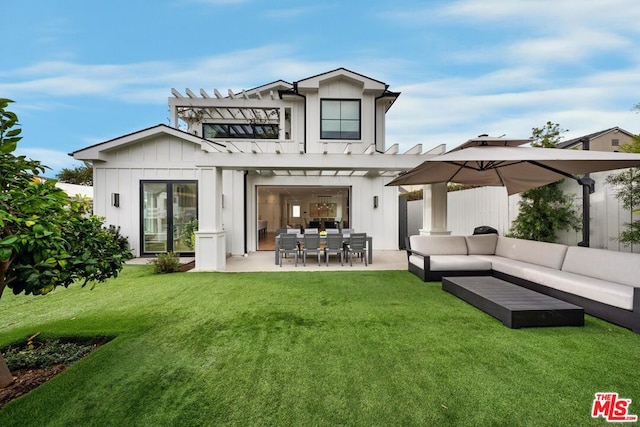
<point>309,348</point>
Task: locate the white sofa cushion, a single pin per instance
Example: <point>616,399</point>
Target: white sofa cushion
<point>620,267</point>
<point>614,294</point>
<point>458,263</point>
<point>481,244</point>
<point>439,245</point>
<point>540,253</point>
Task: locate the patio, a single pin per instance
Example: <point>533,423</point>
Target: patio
<point>263,261</point>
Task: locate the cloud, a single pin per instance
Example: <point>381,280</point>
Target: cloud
<point>512,102</point>
<point>546,14</point>
<point>151,82</point>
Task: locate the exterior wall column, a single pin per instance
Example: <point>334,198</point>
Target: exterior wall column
<point>174,117</point>
<point>210,237</point>
<point>434,209</point>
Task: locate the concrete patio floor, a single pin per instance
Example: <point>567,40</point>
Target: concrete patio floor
<point>264,261</point>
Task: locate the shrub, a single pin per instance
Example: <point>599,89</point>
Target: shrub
<point>165,263</point>
<point>45,354</point>
<point>188,236</point>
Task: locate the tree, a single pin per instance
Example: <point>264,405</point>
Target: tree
<point>80,175</point>
<point>545,210</point>
<point>627,190</point>
<point>45,240</point>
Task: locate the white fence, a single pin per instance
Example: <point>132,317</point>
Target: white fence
<point>491,206</point>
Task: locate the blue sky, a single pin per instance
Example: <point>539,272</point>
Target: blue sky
<point>83,72</point>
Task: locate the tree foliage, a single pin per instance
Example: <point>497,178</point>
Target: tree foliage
<point>80,175</point>
<point>46,240</point>
<point>545,210</point>
<point>627,189</point>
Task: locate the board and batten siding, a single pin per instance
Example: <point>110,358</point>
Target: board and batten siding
<point>159,158</point>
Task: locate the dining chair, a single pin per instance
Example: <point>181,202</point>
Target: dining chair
<point>288,245</point>
<point>311,231</point>
<point>329,224</point>
<point>357,245</point>
<point>334,245</point>
<point>311,244</point>
<point>332,231</point>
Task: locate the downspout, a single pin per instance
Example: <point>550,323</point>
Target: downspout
<point>304,138</point>
<point>588,187</point>
<point>375,119</point>
<point>246,215</point>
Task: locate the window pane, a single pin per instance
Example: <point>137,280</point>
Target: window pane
<point>240,131</point>
<point>184,211</point>
<point>215,131</point>
<point>330,109</point>
<point>350,110</point>
<point>155,217</point>
<point>350,129</point>
<point>331,129</point>
<point>266,131</point>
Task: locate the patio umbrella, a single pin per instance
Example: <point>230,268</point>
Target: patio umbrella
<point>498,162</point>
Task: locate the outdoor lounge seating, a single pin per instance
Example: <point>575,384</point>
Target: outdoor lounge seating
<point>603,282</point>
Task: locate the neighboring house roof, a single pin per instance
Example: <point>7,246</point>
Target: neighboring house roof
<point>93,152</point>
<point>578,141</point>
<point>73,189</point>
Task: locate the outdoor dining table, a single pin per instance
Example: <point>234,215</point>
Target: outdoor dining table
<point>345,239</point>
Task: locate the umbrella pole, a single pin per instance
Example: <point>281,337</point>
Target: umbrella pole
<point>588,187</point>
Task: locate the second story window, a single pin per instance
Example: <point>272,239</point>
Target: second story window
<point>240,131</point>
<point>340,119</point>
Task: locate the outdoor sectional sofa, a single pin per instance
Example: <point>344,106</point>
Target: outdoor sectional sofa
<point>605,283</point>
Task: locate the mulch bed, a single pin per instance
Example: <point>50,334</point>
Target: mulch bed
<point>26,380</point>
<point>186,267</point>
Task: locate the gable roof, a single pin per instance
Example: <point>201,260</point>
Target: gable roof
<point>276,86</point>
<point>314,81</point>
<point>577,141</point>
<point>94,152</point>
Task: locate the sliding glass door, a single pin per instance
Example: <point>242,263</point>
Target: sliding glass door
<point>167,209</point>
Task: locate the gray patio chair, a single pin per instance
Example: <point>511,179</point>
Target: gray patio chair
<point>332,231</point>
<point>357,245</point>
<point>311,231</point>
<point>334,245</point>
<point>288,245</point>
<point>311,244</point>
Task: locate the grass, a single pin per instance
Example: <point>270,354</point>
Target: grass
<point>309,348</point>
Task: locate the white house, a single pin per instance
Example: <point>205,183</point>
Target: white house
<point>307,153</point>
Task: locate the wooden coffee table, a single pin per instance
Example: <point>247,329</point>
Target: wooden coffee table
<point>515,306</point>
